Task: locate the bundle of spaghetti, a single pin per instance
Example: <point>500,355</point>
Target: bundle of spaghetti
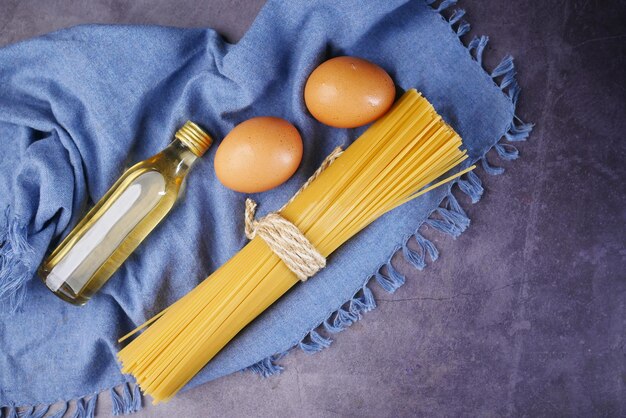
<point>391,163</point>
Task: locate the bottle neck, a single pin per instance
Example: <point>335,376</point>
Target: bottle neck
<point>182,155</point>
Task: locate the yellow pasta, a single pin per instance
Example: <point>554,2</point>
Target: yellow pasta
<point>391,163</point>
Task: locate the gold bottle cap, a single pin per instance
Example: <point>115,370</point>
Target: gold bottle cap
<point>194,137</point>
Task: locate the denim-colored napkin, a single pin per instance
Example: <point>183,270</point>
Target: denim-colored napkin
<point>79,105</point>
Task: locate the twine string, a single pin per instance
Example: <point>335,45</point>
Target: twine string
<point>283,237</point>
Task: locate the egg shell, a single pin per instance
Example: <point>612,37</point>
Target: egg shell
<point>346,92</point>
<point>258,154</point>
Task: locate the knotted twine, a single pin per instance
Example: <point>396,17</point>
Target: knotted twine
<point>283,237</point>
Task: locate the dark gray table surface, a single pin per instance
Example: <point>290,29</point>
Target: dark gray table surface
<point>524,314</point>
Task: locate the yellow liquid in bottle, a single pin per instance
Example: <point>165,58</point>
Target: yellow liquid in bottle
<point>117,224</point>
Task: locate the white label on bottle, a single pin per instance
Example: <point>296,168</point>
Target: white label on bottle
<point>105,235</point>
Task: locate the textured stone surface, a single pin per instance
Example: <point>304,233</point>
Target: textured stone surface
<point>524,314</point>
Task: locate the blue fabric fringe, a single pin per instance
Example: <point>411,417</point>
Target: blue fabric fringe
<point>452,218</point>
<point>478,45</point>
<point>15,268</point>
<point>60,412</point>
<point>126,403</point>
<point>471,185</point>
<point>314,343</point>
<point>267,367</point>
<point>445,4</point>
<point>83,409</point>
<point>33,412</point>
<point>490,169</point>
<point>390,281</point>
<point>463,27</point>
<point>456,16</point>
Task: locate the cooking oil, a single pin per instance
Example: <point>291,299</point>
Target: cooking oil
<point>120,221</point>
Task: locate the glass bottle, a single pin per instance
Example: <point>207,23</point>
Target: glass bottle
<point>120,221</point>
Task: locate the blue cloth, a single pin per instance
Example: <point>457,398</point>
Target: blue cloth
<point>79,105</point>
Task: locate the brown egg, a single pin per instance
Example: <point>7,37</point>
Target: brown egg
<point>346,92</point>
<point>258,154</point>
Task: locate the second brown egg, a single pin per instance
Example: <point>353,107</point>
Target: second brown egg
<point>258,154</point>
<point>346,92</point>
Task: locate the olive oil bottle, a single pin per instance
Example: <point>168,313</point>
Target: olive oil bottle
<point>120,221</point>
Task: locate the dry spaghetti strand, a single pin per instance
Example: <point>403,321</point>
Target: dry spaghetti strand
<point>398,158</point>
